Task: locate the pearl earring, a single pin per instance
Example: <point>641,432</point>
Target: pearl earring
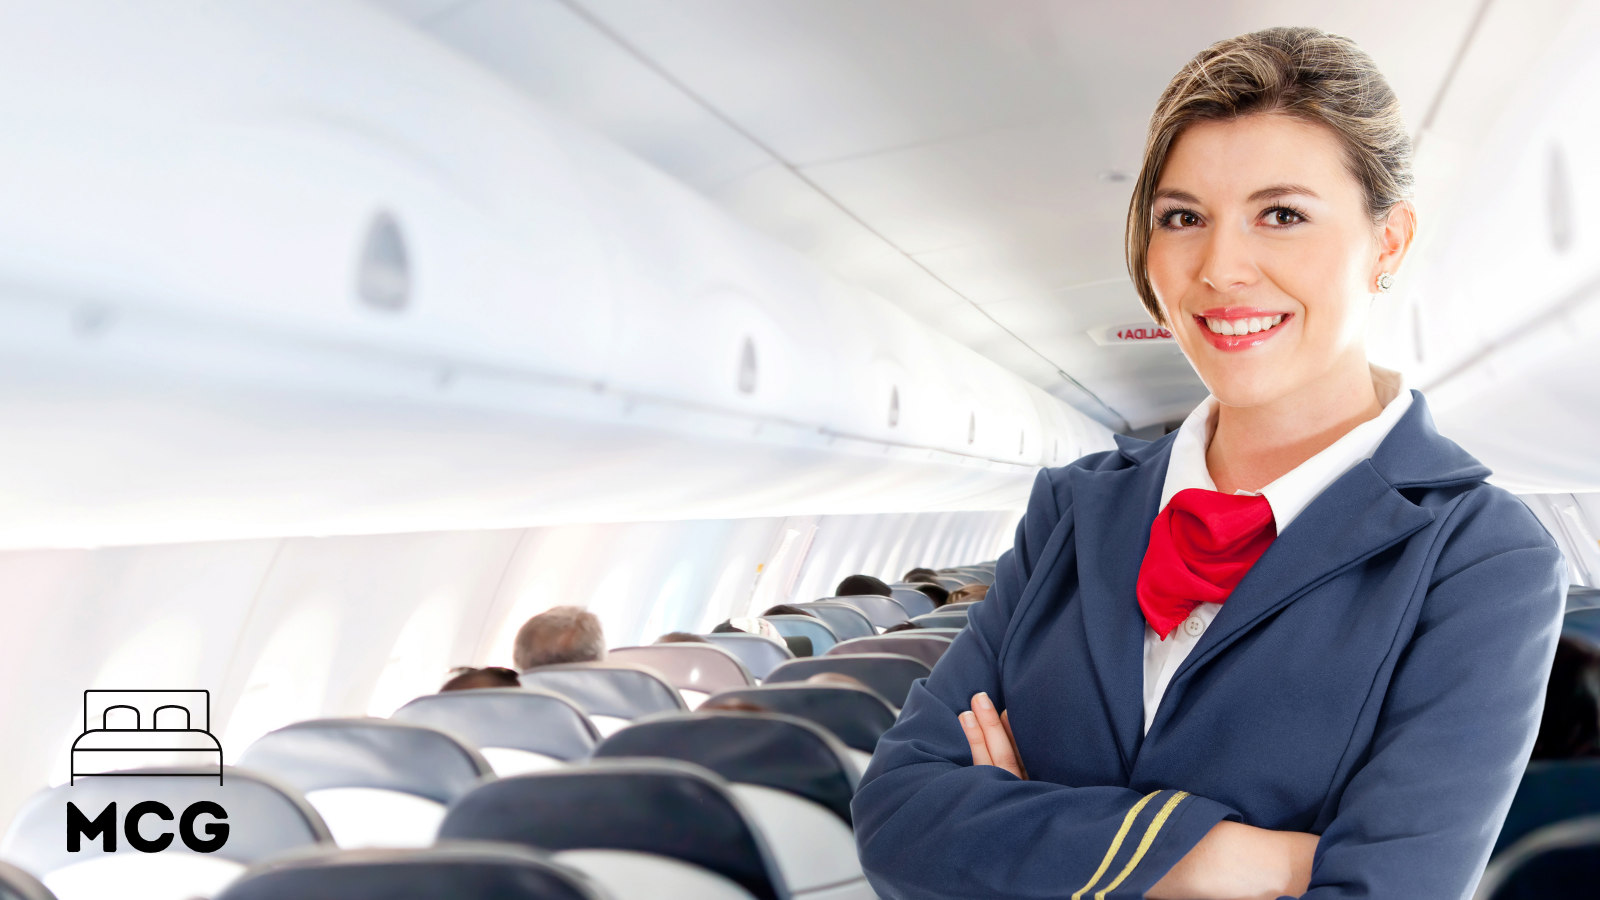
<point>1385,282</point>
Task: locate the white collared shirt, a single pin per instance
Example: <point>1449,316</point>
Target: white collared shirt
<point>1288,496</point>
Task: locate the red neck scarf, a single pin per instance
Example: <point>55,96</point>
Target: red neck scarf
<point>1201,546</point>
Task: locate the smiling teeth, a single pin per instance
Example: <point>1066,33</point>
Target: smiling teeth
<point>1243,326</point>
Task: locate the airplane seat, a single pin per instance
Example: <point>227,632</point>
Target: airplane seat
<point>981,576</point>
<point>964,606</point>
<point>925,647</point>
<point>949,582</point>
<point>882,612</point>
<point>1551,791</point>
<point>941,618</point>
<point>821,633</point>
<point>700,669</point>
<point>16,884</point>
<point>759,654</point>
<point>611,695</point>
<point>856,716</point>
<point>377,783</point>
<point>1560,860</point>
<point>659,807</point>
<point>888,674</point>
<point>846,620</point>
<point>794,779</point>
<point>516,729</point>
<point>461,870</point>
<point>265,818</point>
<point>913,601</point>
<point>646,876</point>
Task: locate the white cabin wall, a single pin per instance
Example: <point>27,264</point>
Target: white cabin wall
<point>296,628</point>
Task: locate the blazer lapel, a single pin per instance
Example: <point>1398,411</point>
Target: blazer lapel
<point>1112,512</point>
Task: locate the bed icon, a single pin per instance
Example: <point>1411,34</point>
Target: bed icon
<point>139,729</point>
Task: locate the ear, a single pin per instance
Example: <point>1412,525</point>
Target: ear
<point>1394,239</point>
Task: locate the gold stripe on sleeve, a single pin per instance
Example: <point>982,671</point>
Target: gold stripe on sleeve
<point>1149,838</point>
<point>1116,844</point>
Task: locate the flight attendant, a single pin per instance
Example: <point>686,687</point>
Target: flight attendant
<point>1297,647</point>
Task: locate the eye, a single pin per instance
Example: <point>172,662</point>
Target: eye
<point>1284,216</point>
<point>1175,219</point>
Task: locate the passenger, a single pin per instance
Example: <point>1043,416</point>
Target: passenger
<point>467,678</point>
<point>969,593</point>
<point>748,625</point>
<point>786,609</point>
<point>903,626</point>
<point>858,585</point>
<point>564,634</point>
<point>1355,725</point>
<point>920,575</point>
<point>1570,728</point>
<point>731,704</point>
<point>837,679</point>
<point>681,637</point>
<point>939,595</point>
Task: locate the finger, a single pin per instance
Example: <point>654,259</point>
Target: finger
<point>995,735</point>
<point>980,748</point>
<point>1005,719</point>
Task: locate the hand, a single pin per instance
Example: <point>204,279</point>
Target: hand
<point>1235,861</point>
<point>989,735</point>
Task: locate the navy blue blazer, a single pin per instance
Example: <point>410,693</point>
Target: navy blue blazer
<point>1377,679</point>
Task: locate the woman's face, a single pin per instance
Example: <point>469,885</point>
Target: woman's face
<point>1264,259</point>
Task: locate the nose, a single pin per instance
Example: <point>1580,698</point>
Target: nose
<point>1228,264</point>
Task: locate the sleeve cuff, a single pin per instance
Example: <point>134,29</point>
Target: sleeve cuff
<point>1161,833</point>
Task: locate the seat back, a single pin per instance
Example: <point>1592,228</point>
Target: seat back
<point>264,818</point>
<point>463,870</point>
<point>942,618</point>
<point>516,729</point>
<point>653,806</point>
<point>846,620</point>
<point>760,655</point>
<point>612,695</point>
<point>882,612</point>
<point>1551,791</point>
<point>782,752</point>
<point>705,668</point>
<point>925,647</point>
<point>821,634</point>
<point>964,606</point>
<point>856,717</point>
<point>914,602</point>
<point>1561,860</point>
<point>15,884</point>
<point>375,782</point>
<point>888,674</point>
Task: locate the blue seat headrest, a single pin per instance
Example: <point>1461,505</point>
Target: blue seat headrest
<point>657,806</point>
<point>772,750</point>
<point>368,753</point>
<point>464,870</point>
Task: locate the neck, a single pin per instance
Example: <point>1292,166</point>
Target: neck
<point>1255,445</point>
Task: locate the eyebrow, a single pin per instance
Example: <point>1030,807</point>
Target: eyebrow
<point>1266,193</point>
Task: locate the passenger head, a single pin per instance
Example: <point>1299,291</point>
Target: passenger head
<point>902,626</point>
<point>681,637</point>
<point>1276,178</point>
<point>1571,724</point>
<point>969,593</point>
<point>730,704</point>
<point>859,585</point>
<point>937,593</point>
<point>786,609</point>
<point>919,574</point>
<point>565,634</point>
<point>837,679</point>
<point>465,678</point>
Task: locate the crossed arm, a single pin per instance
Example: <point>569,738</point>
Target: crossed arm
<point>1233,861</point>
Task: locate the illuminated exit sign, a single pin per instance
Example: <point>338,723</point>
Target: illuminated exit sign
<point>1144,333</point>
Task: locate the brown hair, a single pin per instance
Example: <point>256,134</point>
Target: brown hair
<point>1300,72</point>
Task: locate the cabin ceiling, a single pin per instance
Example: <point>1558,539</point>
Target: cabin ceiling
<point>969,160</point>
